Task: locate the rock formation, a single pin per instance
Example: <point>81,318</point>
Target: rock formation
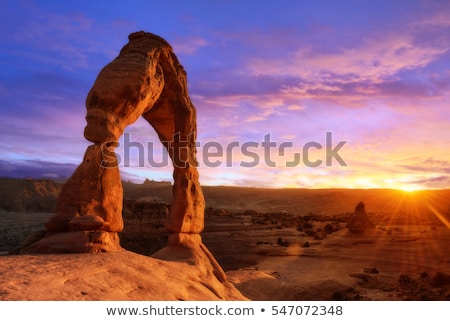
<point>145,80</point>
<point>359,222</point>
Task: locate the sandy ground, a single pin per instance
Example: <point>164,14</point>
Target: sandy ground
<point>406,258</point>
<point>396,263</point>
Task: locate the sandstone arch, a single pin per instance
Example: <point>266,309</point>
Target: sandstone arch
<point>147,80</point>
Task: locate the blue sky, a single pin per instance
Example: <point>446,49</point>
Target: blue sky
<point>373,73</point>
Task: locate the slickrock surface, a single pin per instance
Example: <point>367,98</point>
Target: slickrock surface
<point>121,275</point>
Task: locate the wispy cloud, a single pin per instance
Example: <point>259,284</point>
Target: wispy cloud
<point>369,67</point>
<point>430,165</point>
<point>71,40</point>
<point>189,45</point>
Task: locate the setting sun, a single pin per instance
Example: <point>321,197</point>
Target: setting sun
<point>410,188</point>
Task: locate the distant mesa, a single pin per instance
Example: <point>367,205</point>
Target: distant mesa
<point>152,183</point>
<point>30,195</point>
<point>360,222</point>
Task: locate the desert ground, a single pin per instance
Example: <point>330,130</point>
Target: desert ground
<point>274,244</point>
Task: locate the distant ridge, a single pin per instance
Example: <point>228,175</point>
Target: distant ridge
<point>39,195</point>
<point>28,195</point>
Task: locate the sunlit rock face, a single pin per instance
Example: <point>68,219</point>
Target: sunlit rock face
<point>147,80</point>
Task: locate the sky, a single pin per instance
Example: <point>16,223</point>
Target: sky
<point>307,94</point>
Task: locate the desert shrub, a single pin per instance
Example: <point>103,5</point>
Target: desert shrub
<point>346,295</point>
<point>280,242</point>
<point>328,228</point>
<point>304,224</point>
<point>320,234</point>
<point>259,221</point>
<point>404,279</point>
<point>371,270</point>
<point>307,225</point>
<point>251,212</point>
<point>440,279</point>
<point>425,297</point>
<point>424,275</point>
<point>306,244</point>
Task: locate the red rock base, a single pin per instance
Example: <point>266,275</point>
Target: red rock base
<point>184,247</point>
<point>76,242</point>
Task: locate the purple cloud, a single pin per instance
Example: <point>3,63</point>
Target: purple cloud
<point>36,169</point>
<point>374,74</point>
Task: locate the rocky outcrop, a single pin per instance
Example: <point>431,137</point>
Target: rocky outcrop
<point>112,276</point>
<point>147,80</point>
<point>360,222</point>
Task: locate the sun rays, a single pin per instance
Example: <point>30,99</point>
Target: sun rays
<point>411,224</point>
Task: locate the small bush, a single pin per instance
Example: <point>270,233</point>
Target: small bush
<point>424,275</point>
<point>440,280</point>
<point>320,235</point>
<point>308,225</point>
<point>371,270</point>
<point>404,279</point>
<point>328,228</point>
<point>346,295</point>
<point>280,242</point>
